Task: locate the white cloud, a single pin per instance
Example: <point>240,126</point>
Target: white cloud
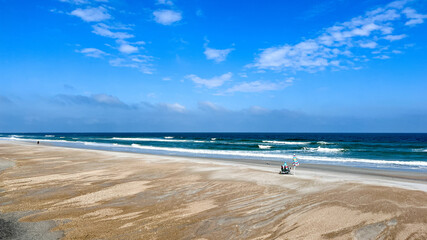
<point>140,62</point>
<point>210,83</point>
<point>92,52</point>
<point>104,30</point>
<point>369,44</point>
<point>92,14</point>
<point>174,107</point>
<point>81,2</point>
<point>364,30</point>
<point>218,55</point>
<point>120,62</point>
<point>77,2</point>
<point>116,30</point>
<point>166,79</point>
<point>165,2</point>
<point>398,4</point>
<point>54,10</point>
<point>290,80</point>
<point>167,17</point>
<point>382,57</point>
<point>107,99</point>
<point>307,54</point>
<point>127,48</point>
<point>338,46</point>
<point>243,75</point>
<point>209,106</point>
<point>392,38</point>
<point>413,16</point>
<point>258,86</point>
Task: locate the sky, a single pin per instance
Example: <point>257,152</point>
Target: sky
<point>213,66</point>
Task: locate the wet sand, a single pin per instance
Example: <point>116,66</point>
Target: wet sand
<point>90,194</point>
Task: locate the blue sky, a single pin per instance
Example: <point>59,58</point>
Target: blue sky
<point>173,65</point>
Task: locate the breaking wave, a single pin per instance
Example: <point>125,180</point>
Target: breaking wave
<point>285,142</point>
<point>320,149</point>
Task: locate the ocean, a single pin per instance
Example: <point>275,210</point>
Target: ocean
<point>398,151</point>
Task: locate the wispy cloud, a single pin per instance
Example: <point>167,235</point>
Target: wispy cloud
<point>95,99</point>
<point>167,17</point>
<point>414,17</point>
<point>82,2</point>
<point>174,107</point>
<point>140,62</point>
<point>103,29</point>
<point>218,55</point>
<point>92,14</point>
<point>165,2</point>
<point>92,52</point>
<point>259,86</point>
<point>392,38</point>
<point>210,106</point>
<point>128,52</point>
<point>339,46</point>
<point>368,44</point>
<point>382,57</point>
<point>212,82</point>
<point>127,48</point>
<point>77,2</point>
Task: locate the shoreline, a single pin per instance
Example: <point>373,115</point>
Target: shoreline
<point>326,156</point>
<point>131,195</point>
<point>386,172</point>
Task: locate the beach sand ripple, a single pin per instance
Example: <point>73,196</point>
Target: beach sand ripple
<point>92,194</point>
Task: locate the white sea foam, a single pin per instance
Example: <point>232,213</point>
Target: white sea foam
<point>213,139</point>
<point>210,152</point>
<point>320,149</point>
<point>31,139</point>
<point>420,150</point>
<point>49,135</point>
<point>323,142</point>
<point>264,146</point>
<point>155,140</point>
<point>168,137</point>
<point>285,142</point>
<point>271,155</point>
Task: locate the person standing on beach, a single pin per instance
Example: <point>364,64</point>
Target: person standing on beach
<point>295,162</point>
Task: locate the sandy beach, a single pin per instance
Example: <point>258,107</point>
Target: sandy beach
<point>50,192</point>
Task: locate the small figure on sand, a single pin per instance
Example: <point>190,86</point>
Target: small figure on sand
<point>295,163</point>
<point>284,169</point>
<point>38,142</point>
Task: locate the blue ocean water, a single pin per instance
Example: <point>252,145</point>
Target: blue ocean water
<point>402,151</point>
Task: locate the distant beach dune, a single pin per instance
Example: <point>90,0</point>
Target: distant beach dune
<point>67,193</point>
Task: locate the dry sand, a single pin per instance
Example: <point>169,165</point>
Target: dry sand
<point>91,194</point>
